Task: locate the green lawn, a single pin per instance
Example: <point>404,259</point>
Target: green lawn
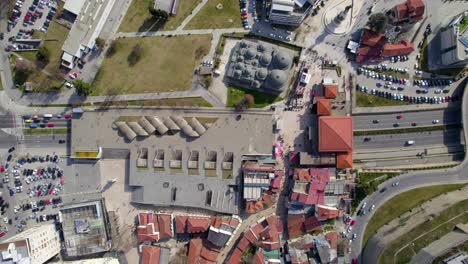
<point>166,65</point>
<point>388,72</point>
<point>460,209</point>
<point>53,41</point>
<point>139,19</point>
<point>365,177</point>
<point>212,17</point>
<point>260,99</point>
<point>463,24</point>
<point>185,101</point>
<point>369,100</point>
<point>402,203</point>
<point>29,131</point>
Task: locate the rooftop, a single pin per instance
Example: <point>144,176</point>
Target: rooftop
<point>323,106</point>
<point>96,237</point>
<point>335,134</point>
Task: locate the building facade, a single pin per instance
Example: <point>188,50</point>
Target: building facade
<point>454,44</point>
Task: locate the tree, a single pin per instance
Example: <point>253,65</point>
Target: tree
<point>22,71</point>
<point>244,103</point>
<point>83,88</point>
<point>43,54</point>
<point>113,47</point>
<point>136,55</point>
<point>100,43</point>
<point>378,22</point>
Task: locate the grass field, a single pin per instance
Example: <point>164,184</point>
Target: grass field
<point>166,65</point>
<point>29,131</point>
<point>211,17</point>
<point>184,101</point>
<point>429,231</point>
<point>260,99</point>
<point>403,203</point>
<point>365,177</point>
<point>369,100</point>
<point>139,19</point>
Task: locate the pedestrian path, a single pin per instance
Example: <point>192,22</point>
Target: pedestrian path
<point>192,14</point>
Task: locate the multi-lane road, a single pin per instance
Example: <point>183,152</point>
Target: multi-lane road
<point>408,181</point>
<point>421,118</point>
<point>450,137</point>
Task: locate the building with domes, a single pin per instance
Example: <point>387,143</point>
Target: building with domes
<point>259,66</point>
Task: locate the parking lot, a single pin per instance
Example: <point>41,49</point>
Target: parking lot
<point>31,190</point>
<point>27,17</point>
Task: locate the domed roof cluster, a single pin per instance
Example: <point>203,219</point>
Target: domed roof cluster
<point>259,66</point>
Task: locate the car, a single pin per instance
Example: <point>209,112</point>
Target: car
<point>50,125</point>
<point>396,125</point>
<point>435,121</point>
<point>383,189</point>
<point>366,139</point>
<point>352,222</point>
<point>73,75</point>
<point>61,141</point>
<point>399,116</point>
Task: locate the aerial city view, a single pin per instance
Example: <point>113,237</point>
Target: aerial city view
<point>233,131</point>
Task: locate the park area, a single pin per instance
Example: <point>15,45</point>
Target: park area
<point>236,94</point>
<point>217,14</point>
<point>139,19</point>
<point>151,65</point>
<point>369,100</point>
<point>44,77</point>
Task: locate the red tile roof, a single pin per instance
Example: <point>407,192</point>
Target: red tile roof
<point>369,51</point>
<point>165,226</point>
<point>197,224</point>
<point>147,229</point>
<point>416,9</point>
<point>195,246</point>
<point>371,38</point>
<point>331,90</point>
<point>243,244</point>
<point>302,175</point>
<point>326,212</point>
<point>397,49</point>
<point>235,257</point>
<point>150,255</point>
<point>279,225</point>
<point>216,221</point>
<point>258,258</point>
<point>181,221</point>
<point>344,160</point>
<point>208,254</point>
<point>332,239</point>
<point>250,237</point>
<point>401,11</point>
<point>323,106</point>
<point>311,224</point>
<point>234,222</point>
<point>295,225</point>
<point>335,134</point>
<point>267,199</point>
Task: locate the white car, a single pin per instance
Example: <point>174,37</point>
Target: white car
<point>435,121</point>
<point>5,219</point>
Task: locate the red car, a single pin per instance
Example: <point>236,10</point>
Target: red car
<point>3,233</point>
<point>353,222</point>
<point>354,261</point>
<point>399,116</point>
<point>50,125</point>
<point>47,202</point>
<point>38,171</point>
<point>2,168</point>
<point>67,116</point>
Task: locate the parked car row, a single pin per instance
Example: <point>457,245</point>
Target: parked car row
<point>385,77</point>
<point>385,67</point>
<point>243,13</point>
<point>433,82</point>
<point>411,99</point>
<point>395,59</point>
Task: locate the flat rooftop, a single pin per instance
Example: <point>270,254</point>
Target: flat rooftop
<point>84,228</point>
<point>176,170</point>
<point>87,26</point>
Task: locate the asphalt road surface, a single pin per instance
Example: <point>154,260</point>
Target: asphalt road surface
<point>6,140</point>
<point>44,140</point>
<point>408,181</point>
<point>6,120</point>
<point>440,137</point>
<point>421,118</point>
<point>57,123</point>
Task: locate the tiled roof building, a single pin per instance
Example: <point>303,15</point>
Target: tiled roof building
<point>335,134</point>
<point>323,106</point>
<point>410,11</point>
<point>154,227</point>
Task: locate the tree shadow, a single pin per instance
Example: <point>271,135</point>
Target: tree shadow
<point>151,24</point>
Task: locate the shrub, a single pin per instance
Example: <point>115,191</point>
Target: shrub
<point>100,43</point>
<point>43,54</point>
<point>377,22</point>
<point>113,48</point>
<point>135,56</point>
<point>83,88</point>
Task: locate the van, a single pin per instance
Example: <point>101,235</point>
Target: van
<point>410,142</point>
<point>48,116</point>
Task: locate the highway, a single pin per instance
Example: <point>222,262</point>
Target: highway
<point>57,122</point>
<point>422,118</point>
<point>6,120</point>
<point>386,141</point>
<point>408,181</point>
<point>45,140</point>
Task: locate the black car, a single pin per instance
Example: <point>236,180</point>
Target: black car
<point>396,125</point>
<point>383,189</point>
<point>414,124</point>
<point>9,157</point>
<point>375,121</point>
<point>61,141</point>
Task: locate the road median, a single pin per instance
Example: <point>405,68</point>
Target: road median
<point>405,130</point>
<point>35,131</point>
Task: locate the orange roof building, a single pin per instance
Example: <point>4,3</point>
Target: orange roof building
<point>330,90</point>
<point>410,11</point>
<point>335,134</point>
<point>154,227</point>
<point>372,39</point>
<point>323,107</point>
<point>326,212</point>
<point>344,160</point>
<point>332,239</point>
<point>150,255</point>
<point>197,224</point>
<point>397,49</point>
<point>195,247</point>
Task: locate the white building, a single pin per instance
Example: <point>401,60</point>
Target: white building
<point>91,17</point>
<point>33,246</point>
<point>291,12</point>
<point>454,44</point>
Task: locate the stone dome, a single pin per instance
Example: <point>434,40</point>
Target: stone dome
<point>281,60</point>
<point>254,62</point>
<point>247,73</point>
<point>239,66</point>
<point>251,53</point>
<point>243,44</point>
<point>261,74</point>
<point>265,59</point>
<point>261,48</point>
<point>240,58</point>
<point>237,73</point>
<point>276,79</point>
<point>256,84</point>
